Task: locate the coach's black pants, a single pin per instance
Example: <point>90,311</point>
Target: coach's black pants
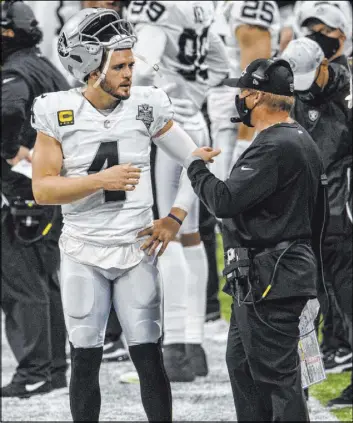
<point>337,258</point>
<point>334,330</point>
<point>30,299</point>
<point>263,365</point>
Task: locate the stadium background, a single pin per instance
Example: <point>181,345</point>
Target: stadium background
<point>206,399</point>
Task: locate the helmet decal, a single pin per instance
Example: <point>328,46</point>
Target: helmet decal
<point>63,48</point>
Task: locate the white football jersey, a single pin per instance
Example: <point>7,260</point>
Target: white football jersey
<point>91,142</point>
<point>260,13</point>
<point>186,24</point>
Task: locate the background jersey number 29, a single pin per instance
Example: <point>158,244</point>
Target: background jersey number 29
<point>192,47</point>
<point>154,9</point>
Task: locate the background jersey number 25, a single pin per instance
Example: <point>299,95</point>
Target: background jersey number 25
<point>258,10</point>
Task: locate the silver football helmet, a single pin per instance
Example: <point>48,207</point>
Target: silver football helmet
<point>86,35</point>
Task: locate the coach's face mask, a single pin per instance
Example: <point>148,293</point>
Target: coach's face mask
<point>329,45</point>
<point>243,110</point>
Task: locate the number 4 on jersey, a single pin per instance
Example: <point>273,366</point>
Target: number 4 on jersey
<point>107,152</point>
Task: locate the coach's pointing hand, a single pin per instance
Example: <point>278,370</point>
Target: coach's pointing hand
<point>206,153</point>
<point>120,177</point>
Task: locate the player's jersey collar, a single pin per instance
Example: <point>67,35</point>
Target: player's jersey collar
<point>89,107</point>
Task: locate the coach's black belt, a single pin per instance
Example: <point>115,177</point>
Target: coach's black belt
<point>238,260</point>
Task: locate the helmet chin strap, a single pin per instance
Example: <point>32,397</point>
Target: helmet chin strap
<point>105,70</point>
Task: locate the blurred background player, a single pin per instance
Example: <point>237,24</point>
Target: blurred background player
<point>191,58</point>
<point>293,26</point>
<point>250,30</point>
<point>30,294</point>
<point>321,88</point>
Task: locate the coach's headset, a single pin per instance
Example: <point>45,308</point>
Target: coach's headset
<point>261,74</point>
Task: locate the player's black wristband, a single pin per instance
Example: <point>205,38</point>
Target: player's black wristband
<point>175,218</point>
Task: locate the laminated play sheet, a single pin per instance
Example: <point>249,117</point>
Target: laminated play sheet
<point>312,367</point>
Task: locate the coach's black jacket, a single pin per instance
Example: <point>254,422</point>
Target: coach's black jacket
<point>272,195</point>
<point>26,74</point>
<point>329,121</point>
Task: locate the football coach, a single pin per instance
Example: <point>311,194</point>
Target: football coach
<point>273,208</point>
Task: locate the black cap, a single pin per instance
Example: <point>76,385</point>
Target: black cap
<point>17,15</point>
<point>269,75</point>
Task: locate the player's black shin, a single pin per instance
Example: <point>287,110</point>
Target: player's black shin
<point>155,387</point>
<point>85,396</point>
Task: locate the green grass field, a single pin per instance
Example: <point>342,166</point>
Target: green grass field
<point>324,391</point>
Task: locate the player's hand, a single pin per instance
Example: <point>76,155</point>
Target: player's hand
<point>206,153</point>
<point>120,177</point>
<point>162,232</point>
<point>23,153</point>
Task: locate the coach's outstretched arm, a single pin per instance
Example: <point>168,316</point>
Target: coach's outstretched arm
<point>175,142</point>
<point>253,178</point>
<point>49,187</point>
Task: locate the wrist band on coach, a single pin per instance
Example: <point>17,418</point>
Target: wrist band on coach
<point>175,218</point>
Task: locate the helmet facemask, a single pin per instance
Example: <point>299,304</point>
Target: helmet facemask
<point>101,31</point>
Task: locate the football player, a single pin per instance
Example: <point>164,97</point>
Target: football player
<point>250,30</point>
<point>52,18</point>
<point>92,156</point>
<point>176,35</point>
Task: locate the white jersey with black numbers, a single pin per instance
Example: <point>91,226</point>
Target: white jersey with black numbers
<point>186,25</point>
<point>260,13</point>
<point>91,142</point>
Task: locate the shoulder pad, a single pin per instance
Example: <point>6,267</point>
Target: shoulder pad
<point>55,101</point>
<point>150,94</point>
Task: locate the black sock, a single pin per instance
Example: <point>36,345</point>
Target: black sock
<point>154,384</point>
<point>85,396</point>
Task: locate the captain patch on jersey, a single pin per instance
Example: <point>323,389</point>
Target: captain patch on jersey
<point>66,117</point>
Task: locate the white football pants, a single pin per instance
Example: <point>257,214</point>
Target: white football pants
<point>88,292</point>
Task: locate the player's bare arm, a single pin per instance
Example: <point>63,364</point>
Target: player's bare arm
<point>165,229</point>
<point>254,42</point>
<point>51,188</point>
